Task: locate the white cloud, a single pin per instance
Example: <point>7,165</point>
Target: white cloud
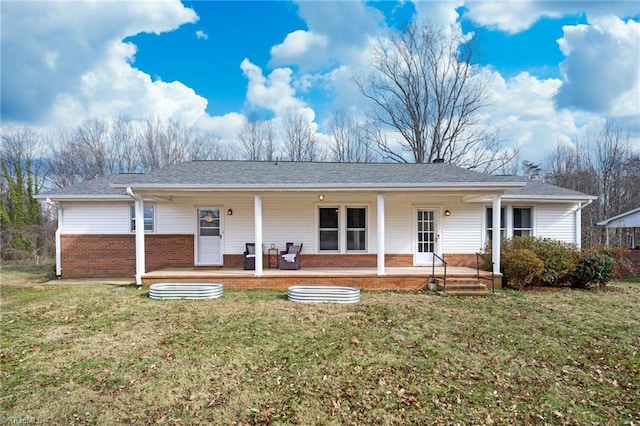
<point>517,16</point>
<point>602,67</point>
<point>524,112</point>
<point>225,126</point>
<point>274,92</point>
<point>53,54</point>
<point>298,44</point>
<point>202,35</point>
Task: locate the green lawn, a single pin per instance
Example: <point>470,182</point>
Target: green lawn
<point>100,354</point>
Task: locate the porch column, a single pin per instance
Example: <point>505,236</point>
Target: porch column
<point>140,255</point>
<point>495,244</point>
<point>380,236</point>
<point>257,205</point>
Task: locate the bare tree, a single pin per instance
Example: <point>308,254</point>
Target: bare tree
<point>257,138</point>
<point>350,141</point>
<point>299,142</point>
<point>80,154</point>
<point>425,88</point>
<point>161,144</point>
<point>205,146</point>
<point>602,165</point>
<point>123,136</point>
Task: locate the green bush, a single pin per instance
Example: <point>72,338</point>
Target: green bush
<point>521,267</point>
<point>594,268</point>
<point>559,258</point>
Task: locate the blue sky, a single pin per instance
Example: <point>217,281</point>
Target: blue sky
<point>556,69</point>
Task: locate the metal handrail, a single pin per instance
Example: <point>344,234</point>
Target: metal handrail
<point>433,271</point>
<point>493,274</point>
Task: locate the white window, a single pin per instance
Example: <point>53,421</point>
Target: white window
<point>149,219</point>
<point>356,229</point>
<point>515,221</point>
<point>489,222</point>
<point>522,223</point>
<point>342,229</point>
<point>328,228</point>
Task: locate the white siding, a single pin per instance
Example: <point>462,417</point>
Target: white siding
<point>175,218</point>
<point>293,217</point>
<point>398,224</point>
<point>556,221</point>
<point>96,218</point>
<point>462,231</point>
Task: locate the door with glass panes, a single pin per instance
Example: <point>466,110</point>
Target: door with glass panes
<point>426,236</point>
<point>209,237</point>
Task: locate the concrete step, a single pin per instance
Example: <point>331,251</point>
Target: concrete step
<point>464,287</point>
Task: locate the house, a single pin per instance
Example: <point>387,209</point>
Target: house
<point>199,215</point>
<point>629,220</point>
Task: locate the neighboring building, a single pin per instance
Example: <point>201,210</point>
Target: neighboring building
<point>201,214</point>
<point>631,222</point>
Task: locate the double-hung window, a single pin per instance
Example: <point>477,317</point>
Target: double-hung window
<point>149,219</point>
<point>342,229</point>
<point>515,221</point>
<point>503,229</point>
<point>356,229</point>
<point>328,228</point>
<point>522,223</point>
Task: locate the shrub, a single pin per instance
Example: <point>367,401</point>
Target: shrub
<point>521,267</point>
<point>594,268</point>
<point>559,258</point>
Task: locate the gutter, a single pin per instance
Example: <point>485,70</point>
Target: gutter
<point>140,245</point>
<point>60,211</point>
<point>578,222</point>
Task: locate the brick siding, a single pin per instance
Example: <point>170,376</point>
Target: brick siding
<point>111,256</point>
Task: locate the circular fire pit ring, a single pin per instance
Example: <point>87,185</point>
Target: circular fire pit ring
<point>323,294</point>
<point>185,291</point>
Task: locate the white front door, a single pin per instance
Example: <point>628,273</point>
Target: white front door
<point>426,236</point>
<point>209,237</point>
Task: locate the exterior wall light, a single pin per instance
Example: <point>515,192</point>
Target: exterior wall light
<point>447,213</point>
<point>320,197</point>
<point>230,212</point>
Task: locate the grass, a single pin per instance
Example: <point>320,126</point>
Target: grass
<point>100,354</point>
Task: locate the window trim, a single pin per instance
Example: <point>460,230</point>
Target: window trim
<point>319,229</point>
<point>342,227</point>
<point>513,225</point>
<point>132,218</point>
<point>508,220</point>
<point>347,229</point>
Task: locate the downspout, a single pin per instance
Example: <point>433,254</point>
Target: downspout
<point>140,246</point>
<point>59,210</point>
<point>578,223</point>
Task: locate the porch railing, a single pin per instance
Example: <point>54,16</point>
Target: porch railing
<point>493,275</point>
<point>433,271</point>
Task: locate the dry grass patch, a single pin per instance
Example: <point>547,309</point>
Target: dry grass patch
<point>103,354</point>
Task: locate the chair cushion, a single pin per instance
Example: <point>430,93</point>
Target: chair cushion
<point>251,249</point>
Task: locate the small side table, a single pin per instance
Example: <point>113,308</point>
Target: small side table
<point>272,251</point>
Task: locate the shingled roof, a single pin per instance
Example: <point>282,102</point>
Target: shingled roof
<point>247,175</point>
